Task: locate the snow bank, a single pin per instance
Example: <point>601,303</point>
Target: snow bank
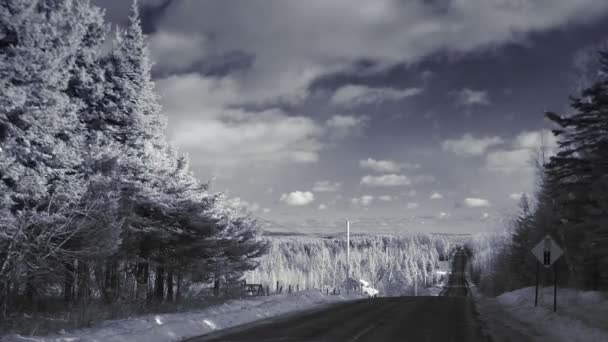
<point>178,326</point>
<point>581,315</point>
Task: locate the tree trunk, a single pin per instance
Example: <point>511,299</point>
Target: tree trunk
<point>216,287</point>
<point>170,285</point>
<point>160,290</point>
<point>100,279</point>
<point>143,274</point>
<point>108,282</point>
<point>68,286</point>
<point>178,292</point>
<point>111,284</point>
<point>115,280</point>
<point>5,290</point>
<point>83,281</point>
<point>129,288</point>
<point>30,291</point>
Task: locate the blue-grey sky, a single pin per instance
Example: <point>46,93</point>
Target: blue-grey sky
<point>421,115</point>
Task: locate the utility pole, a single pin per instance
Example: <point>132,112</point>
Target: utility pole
<point>347,256</point>
<point>416,283</point>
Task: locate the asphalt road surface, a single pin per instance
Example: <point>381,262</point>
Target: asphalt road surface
<point>418,319</point>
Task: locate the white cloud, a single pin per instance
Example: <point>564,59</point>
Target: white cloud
<point>386,180</point>
<point>509,161</point>
<point>326,186</point>
<point>469,97</point>
<point>468,145</point>
<point>341,126</point>
<point>354,95</point>
<point>206,124</point>
<point>240,204</point>
<point>322,207</point>
<point>516,196</point>
<point>535,140</point>
<point>227,138</point>
<point>364,200</point>
<point>412,205</point>
<point>272,137</point>
<point>380,165</point>
<point>443,215</point>
<point>298,198</point>
<point>525,149</point>
<point>476,202</point>
<point>485,216</point>
<point>164,44</point>
<point>385,198</point>
<point>436,196</point>
<point>386,165</point>
<point>345,122</point>
<point>265,210</point>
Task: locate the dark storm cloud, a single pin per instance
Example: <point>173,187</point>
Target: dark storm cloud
<point>117,11</point>
<point>211,66</point>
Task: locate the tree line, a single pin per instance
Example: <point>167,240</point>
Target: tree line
<point>94,203</point>
<point>571,202</point>
<point>391,264</point>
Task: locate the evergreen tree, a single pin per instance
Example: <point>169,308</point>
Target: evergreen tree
<point>522,262</point>
<point>89,187</point>
<point>578,183</point>
<point>41,138</point>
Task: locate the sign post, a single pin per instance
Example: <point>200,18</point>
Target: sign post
<point>547,252</point>
<point>554,288</point>
<point>536,293</point>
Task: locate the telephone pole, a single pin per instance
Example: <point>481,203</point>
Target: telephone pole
<point>347,256</point>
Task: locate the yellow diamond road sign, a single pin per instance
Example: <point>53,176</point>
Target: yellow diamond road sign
<point>547,251</point>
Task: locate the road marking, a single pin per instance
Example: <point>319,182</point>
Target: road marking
<point>363,332</point>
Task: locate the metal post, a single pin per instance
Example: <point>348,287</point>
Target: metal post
<point>555,288</point>
<point>536,293</point>
<point>347,256</point>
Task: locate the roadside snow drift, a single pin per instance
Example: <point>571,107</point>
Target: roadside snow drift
<point>581,315</point>
<point>178,326</point>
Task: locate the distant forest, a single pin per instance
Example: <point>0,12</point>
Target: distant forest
<point>391,264</point>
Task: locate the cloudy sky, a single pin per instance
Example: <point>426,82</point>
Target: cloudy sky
<point>413,115</point>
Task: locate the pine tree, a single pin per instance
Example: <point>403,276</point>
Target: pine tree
<point>41,137</point>
<point>88,182</point>
<point>577,178</point>
<point>521,260</point>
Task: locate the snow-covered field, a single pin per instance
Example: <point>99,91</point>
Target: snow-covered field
<point>175,327</point>
<point>582,316</point>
